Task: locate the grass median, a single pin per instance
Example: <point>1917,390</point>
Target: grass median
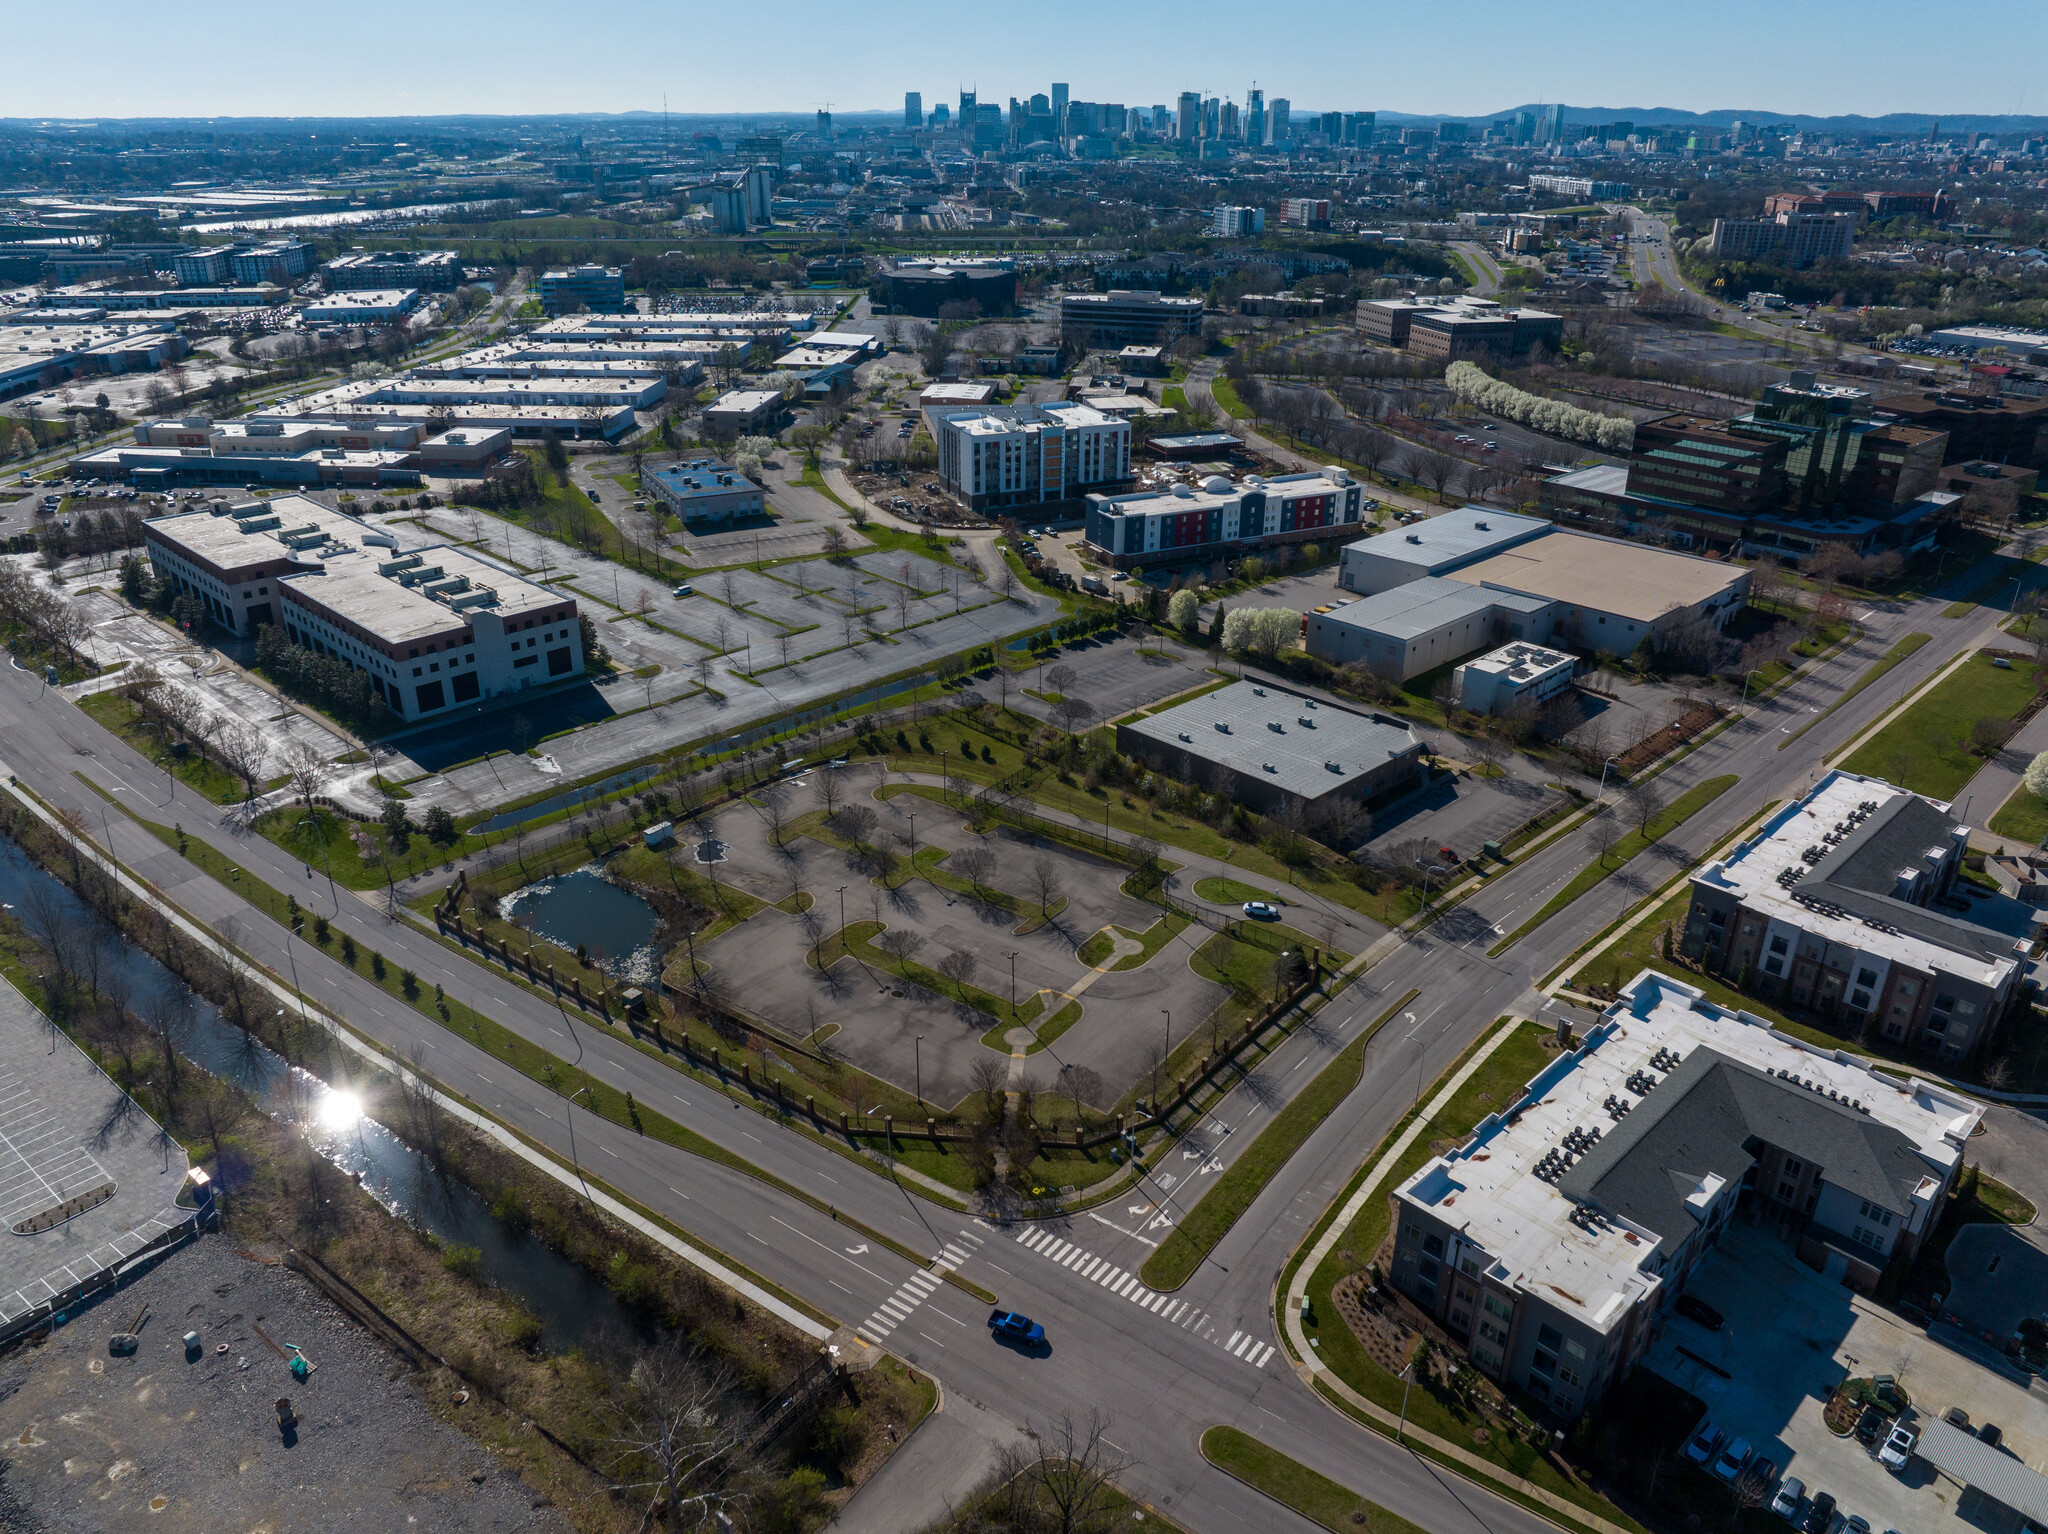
<point>1184,1251</point>
<point>1617,856</point>
<point>1889,659</point>
<point>1292,1484</point>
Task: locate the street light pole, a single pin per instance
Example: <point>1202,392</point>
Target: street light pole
<point>1752,671</point>
<point>1408,1375</point>
<point>917,1058</point>
<point>1602,798</point>
<point>1011,955</point>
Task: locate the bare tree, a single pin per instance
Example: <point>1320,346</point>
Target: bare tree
<point>1045,886</point>
<point>774,807</point>
<point>1066,1473</point>
<point>959,966</point>
<point>309,770</point>
<point>856,822</point>
<point>830,787</point>
<point>673,1437</point>
<point>1060,680</point>
<point>901,945</point>
<point>239,745</point>
<point>1644,800</point>
<point>990,1075</point>
<point>1072,714</point>
<point>974,864</point>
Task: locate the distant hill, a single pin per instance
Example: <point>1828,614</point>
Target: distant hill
<point>1898,124</point>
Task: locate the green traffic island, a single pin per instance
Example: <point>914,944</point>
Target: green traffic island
<point>437,1292</point>
<point>1293,1485</point>
<point>1366,1333</point>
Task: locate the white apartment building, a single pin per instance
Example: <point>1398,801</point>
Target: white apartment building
<point>1030,454</point>
<point>1235,223</point>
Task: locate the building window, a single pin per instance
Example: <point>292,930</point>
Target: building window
<point>429,696</point>
<point>1779,944</point>
<point>1785,1192</point>
<point>1866,977</point>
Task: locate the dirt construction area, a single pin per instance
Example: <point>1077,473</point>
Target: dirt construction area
<point>185,1440</point>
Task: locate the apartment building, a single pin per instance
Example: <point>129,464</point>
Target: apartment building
<point>1236,223</point>
<point>278,261</point>
<point>1028,455</point>
<point>1844,905</point>
<point>1189,522</point>
<point>601,289</point>
<point>1306,212</point>
<point>1551,1242</point>
<point>1123,316</point>
<point>434,628</point>
<point>1790,239</point>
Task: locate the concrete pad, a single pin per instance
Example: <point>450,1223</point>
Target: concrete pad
<point>951,1453</point>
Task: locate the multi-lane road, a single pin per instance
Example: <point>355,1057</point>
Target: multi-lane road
<point>1163,1367</point>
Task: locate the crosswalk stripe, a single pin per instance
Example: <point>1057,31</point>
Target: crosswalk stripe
<point>1239,1350</point>
<point>872,1336</point>
<point>1265,1353</point>
<point>1125,1285</point>
<point>1178,1311</point>
<point>1233,1339</point>
<point>1095,1265</point>
<point>921,1283</point>
<point>1030,1238</point>
<point>893,1309</point>
<point>1159,1303</point>
<point>955,1253</point>
<point>1108,1275</point>
<point>1075,1259</point>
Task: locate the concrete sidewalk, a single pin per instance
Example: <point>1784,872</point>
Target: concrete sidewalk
<point>951,1452</point>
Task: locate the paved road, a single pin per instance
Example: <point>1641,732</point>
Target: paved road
<point>1164,1369</point>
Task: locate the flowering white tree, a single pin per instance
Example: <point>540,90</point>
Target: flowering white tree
<point>1552,417</point>
<point>2037,776</point>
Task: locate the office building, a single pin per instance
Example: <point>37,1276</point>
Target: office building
<point>1255,117</point>
<point>96,266</point>
<point>1458,326</point>
<point>602,289</point>
<point>1059,108</point>
<point>37,356</point>
<point>1306,212</point>
<point>1415,627</point>
<point>1894,204</point>
<point>824,128</point>
<point>1279,123</point>
<point>368,306</point>
<point>1550,130</point>
<point>433,628</point>
<point>1122,316</point>
<point>745,412</point>
<point>1791,239</point>
<point>913,109</point>
<point>2003,428</point>
<point>203,268</point>
<point>1190,523</point>
<point>924,287</point>
<point>1516,678</point>
<point>2017,342</point>
<point>1028,455</point>
<point>1600,594</point>
<point>1843,906</point>
<point>169,454</point>
<point>1236,223</point>
<point>1276,751</point>
<point>1552,1241</point>
<point>1359,128</point>
<point>430,271</point>
<point>705,490</point>
<point>1188,120</point>
<point>278,261</point>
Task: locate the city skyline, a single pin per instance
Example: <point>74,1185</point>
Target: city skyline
<point>148,65</point>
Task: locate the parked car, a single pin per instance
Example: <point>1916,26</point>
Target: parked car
<point>1694,1308</point>
<point>1857,1524</point>
<point>1014,1326</point>
<point>1261,910</point>
<point>1701,1447</point>
<point>1732,1460</point>
<point>684,591</point>
<point>1955,1416</point>
<point>1990,1435</point>
<point>1898,1448</point>
<point>1871,1426</point>
<point>1819,1514</point>
<point>1791,1492</point>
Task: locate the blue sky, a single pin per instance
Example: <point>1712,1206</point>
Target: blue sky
<point>117,58</point>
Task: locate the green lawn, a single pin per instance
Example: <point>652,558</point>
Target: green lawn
<point>1096,949</point>
<point>1491,1088</point>
<point>2008,1204</point>
<point>1231,892</point>
<point>1152,939</point>
<point>196,771</point>
<point>1926,749</point>
<point>1641,949</point>
<point>1292,1484</point>
<point>1889,659</point>
<point>1667,820</point>
<point>1201,1227</point>
<point>2022,817</point>
<point>1227,400</point>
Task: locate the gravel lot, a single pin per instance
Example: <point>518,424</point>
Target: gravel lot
<point>94,1442</point>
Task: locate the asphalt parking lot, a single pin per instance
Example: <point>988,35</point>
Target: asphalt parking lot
<point>1791,1334</point>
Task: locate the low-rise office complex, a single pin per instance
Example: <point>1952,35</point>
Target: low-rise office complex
<point>1553,1240</point>
<point>1845,904</point>
<point>705,490</point>
<point>1409,629</point>
<point>747,410</point>
<point>1121,316</point>
<point>1275,750</point>
<point>566,289</point>
<point>433,628</point>
<point>193,450</point>
<point>1188,522</point>
<point>1456,327</point>
<point>1514,678</point>
<point>364,306</point>
<point>36,356</point>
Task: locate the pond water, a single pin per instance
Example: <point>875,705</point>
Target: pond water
<point>585,909</point>
<point>570,1305</point>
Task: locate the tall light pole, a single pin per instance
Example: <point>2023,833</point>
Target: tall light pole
<point>917,1058</point>
<point>1752,671</point>
<point>1011,955</point>
<point>1602,798</point>
<point>842,918</point>
<point>1407,1375</point>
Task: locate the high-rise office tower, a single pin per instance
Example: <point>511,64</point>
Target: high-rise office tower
<point>824,124</point>
<point>913,109</point>
<point>941,115</point>
<point>1333,127</point>
<point>1525,127</point>
<point>1553,118</point>
<point>1255,116</point>
<point>1231,127</point>
<point>1276,120</point>
<point>1059,107</point>
<point>1359,128</point>
<point>967,111</point>
<point>1212,118</point>
<point>1188,121</point>
<point>1159,118</point>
